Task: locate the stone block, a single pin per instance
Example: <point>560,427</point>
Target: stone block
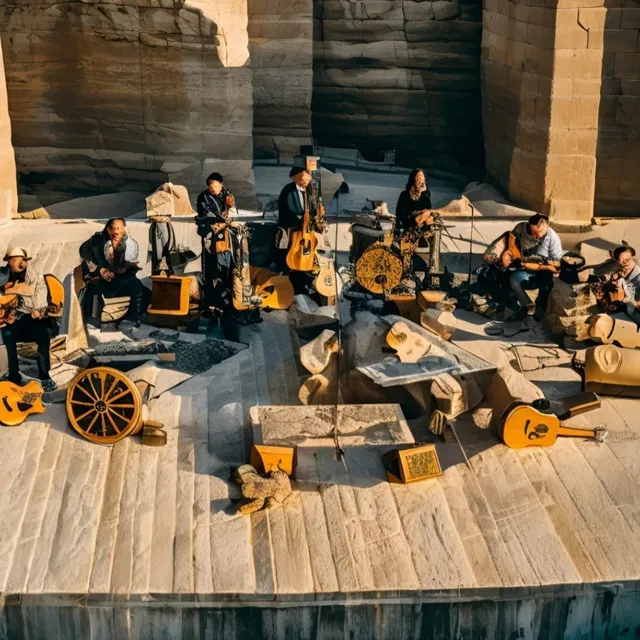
<point>418,10</point>
<point>570,177</point>
<point>629,112</point>
<point>630,18</point>
<point>445,9</point>
<point>620,40</point>
<point>627,66</point>
<point>577,112</point>
<point>578,64</point>
<point>570,210</point>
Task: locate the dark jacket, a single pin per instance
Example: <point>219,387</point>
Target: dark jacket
<point>290,211</point>
<point>407,209</point>
<point>125,257</point>
<point>210,210</point>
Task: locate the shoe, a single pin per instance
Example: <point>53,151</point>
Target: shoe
<point>19,380</point>
<point>48,385</point>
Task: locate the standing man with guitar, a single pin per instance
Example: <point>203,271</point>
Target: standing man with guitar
<point>299,217</point>
<point>219,246</point>
<point>30,322</point>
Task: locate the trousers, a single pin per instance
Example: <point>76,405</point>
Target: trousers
<point>522,281</point>
<point>26,329</point>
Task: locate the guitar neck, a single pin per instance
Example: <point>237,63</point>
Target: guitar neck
<point>576,433</point>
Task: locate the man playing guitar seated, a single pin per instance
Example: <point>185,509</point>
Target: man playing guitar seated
<point>537,244</point>
<point>30,322</point>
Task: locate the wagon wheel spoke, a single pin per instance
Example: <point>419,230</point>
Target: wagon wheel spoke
<point>113,384</point>
<point>98,397</point>
<point>120,395</point>
<point>86,393</point>
<point>84,415</point>
<point>123,406</point>
<point>93,421</point>
<point>83,404</point>
<point>115,413</point>
<point>102,376</point>
<point>104,426</point>
<point>113,424</point>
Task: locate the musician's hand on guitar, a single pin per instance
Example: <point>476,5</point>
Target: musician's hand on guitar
<point>218,226</point>
<point>424,217</point>
<point>105,274</point>
<point>10,318</point>
<point>36,315</point>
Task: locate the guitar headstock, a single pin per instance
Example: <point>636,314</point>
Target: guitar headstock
<point>600,433</point>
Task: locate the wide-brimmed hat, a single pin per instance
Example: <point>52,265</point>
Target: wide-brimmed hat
<point>16,252</point>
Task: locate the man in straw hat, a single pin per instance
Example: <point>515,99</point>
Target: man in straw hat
<point>30,324</point>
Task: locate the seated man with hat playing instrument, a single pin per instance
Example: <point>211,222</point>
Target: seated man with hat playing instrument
<point>30,322</point>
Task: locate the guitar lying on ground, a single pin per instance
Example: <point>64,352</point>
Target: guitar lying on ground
<point>16,402</point>
<point>537,424</point>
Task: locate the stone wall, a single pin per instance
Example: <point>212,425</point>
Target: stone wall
<point>281,46</point>
<point>399,74</point>
<point>123,95</point>
<point>561,106</point>
<point>618,152</point>
<point>8,189</point>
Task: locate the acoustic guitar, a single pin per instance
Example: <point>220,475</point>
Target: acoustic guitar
<point>276,293</point>
<point>16,402</point>
<point>409,346</point>
<point>325,282</point>
<point>303,243</point>
<point>522,425</point>
<point>531,263</point>
<point>8,307</point>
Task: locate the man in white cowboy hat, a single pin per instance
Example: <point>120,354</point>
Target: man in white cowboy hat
<point>30,324</point>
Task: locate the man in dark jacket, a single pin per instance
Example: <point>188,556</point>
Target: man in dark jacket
<point>293,199</point>
<point>112,258</point>
<point>219,244</point>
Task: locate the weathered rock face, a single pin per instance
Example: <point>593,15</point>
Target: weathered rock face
<point>398,74</point>
<point>8,190</point>
<point>618,151</point>
<point>122,94</point>
<point>561,104</point>
<point>281,46</point>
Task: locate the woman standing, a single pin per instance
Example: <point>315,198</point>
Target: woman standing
<point>414,203</point>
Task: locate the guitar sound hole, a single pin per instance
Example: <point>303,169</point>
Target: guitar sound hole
<point>542,428</point>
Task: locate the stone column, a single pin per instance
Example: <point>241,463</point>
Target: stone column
<point>541,74</point>
<point>8,187</point>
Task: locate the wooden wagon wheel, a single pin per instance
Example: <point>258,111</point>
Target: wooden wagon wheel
<point>104,405</point>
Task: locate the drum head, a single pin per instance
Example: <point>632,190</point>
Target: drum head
<point>379,269</point>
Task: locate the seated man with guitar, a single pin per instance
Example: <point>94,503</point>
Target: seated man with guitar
<point>532,255</point>
<point>111,259</point>
<point>30,321</point>
<point>300,215</point>
<point>622,282</point>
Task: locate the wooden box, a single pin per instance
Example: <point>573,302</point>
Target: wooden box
<point>269,458</point>
<point>411,465</point>
<point>169,296</point>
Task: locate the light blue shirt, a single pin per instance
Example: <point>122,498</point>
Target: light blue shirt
<point>550,246</point>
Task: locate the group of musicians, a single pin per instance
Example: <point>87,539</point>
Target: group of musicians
<point>110,263</point>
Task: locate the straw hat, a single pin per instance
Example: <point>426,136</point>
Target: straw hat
<point>16,252</point>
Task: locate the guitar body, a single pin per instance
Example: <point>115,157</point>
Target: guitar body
<point>16,402</point>
<point>302,251</point>
<point>242,289</point>
<point>527,263</point>
<point>8,306</point>
<point>409,346</point>
<point>521,425</point>
<point>276,293</point>
<point>325,282</point>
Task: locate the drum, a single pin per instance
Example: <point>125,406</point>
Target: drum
<point>379,269</point>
